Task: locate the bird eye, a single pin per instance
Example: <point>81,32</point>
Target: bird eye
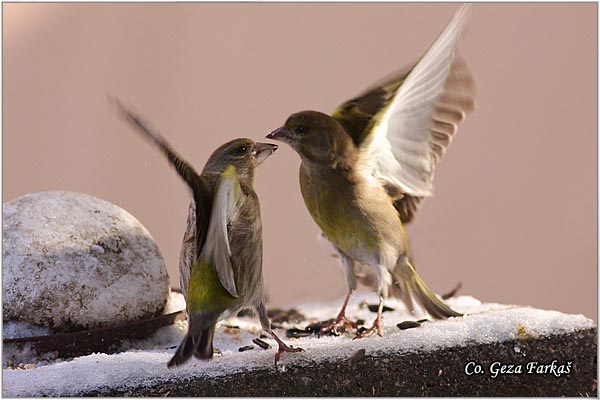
<point>302,129</point>
<point>242,149</point>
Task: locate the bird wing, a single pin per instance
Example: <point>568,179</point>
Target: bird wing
<point>414,118</point>
<point>355,115</point>
<point>187,254</point>
<point>197,226</point>
<point>226,204</point>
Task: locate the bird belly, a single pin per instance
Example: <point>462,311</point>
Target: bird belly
<point>341,220</point>
<point>246,254</point>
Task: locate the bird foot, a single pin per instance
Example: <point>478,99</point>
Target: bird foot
<point>340,322</point>
<point>284,348</point>
<point>375,329</point>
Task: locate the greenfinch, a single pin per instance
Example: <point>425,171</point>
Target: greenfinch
<point>366,169</point>
<point>221,256</point>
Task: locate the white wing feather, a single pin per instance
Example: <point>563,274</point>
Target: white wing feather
<point>399,149</point>
<point>226,203</point>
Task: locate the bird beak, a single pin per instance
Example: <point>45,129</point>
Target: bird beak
<point>262,151</point>
<point>281,134</point>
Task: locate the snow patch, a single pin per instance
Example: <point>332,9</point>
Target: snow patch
<point>145,365</point>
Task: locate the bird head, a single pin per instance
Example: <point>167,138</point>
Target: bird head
<point>244,154</point>
<point>316,137</point>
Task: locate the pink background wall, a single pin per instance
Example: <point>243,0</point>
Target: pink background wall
<point>514,216</point>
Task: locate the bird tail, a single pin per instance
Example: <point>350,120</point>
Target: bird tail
<point>408,285</point>
<point>199,339</point>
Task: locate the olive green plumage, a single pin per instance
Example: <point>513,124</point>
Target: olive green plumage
<point>221,256</point>
<point>366,168</point>
<point>205,292</point>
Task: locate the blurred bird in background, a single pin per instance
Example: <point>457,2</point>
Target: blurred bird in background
<point>366,169</point>
<point>221,256</point>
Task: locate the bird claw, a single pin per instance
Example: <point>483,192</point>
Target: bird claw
<point>283,348</point>
<point>375,329</point>
<point>340,322</point>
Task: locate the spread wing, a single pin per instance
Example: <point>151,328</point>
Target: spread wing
<point>412,132</point>
<point>403,126</point>
<point>197,226</point>
<point>226,204</point>
<point>356,114</point>
<point>199,187</point>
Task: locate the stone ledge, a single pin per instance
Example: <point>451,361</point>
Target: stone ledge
<point>437,373</point>
<point>428,360</point>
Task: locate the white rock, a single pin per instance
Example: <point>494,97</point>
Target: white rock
<point>73,261</point>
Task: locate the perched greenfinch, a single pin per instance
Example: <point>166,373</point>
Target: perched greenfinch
<point>221,256</point>
<point>366,169</point>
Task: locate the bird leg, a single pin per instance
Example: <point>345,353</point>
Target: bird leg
<point>341,320</point>
<point>283,348</point>
<point>377,324</point>
<point>266,325</point>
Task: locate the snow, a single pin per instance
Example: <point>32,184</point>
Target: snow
<point>17,329</point>
<point>25,355</point>
<point>145,363</point>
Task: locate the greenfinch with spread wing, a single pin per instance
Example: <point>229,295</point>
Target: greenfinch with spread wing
<point>366,168</point>
<point>221,256</point>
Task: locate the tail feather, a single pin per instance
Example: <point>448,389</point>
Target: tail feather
<point>204,348</point>
<point>199,339</point>
<point>183,353</point>
<point>409,286</point>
